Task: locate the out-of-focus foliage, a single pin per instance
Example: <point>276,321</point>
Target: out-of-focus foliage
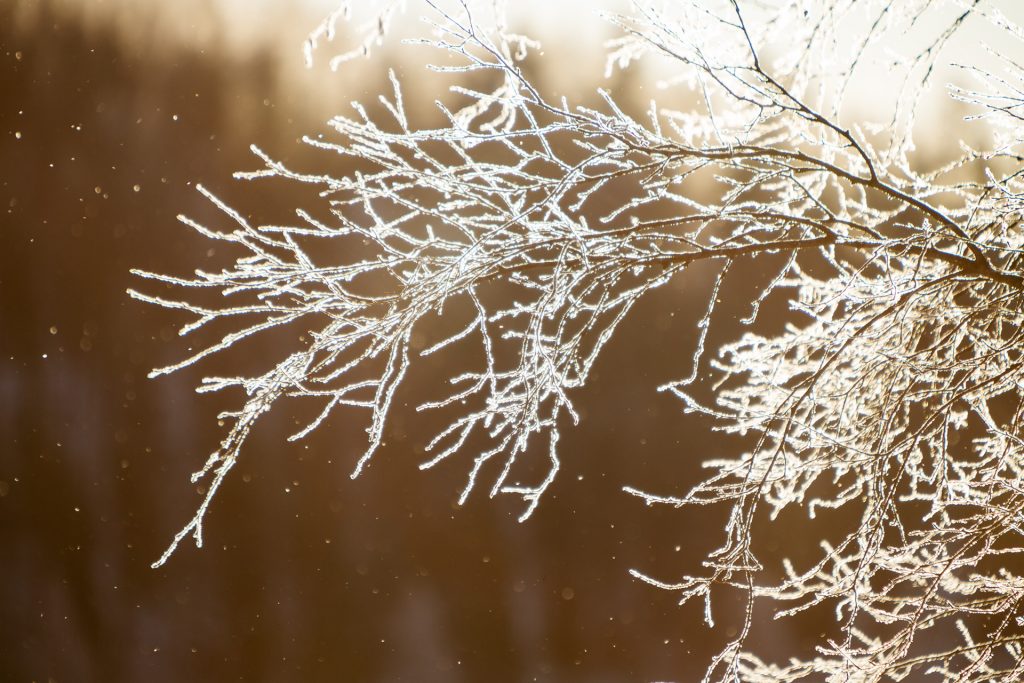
<point>890,400</point>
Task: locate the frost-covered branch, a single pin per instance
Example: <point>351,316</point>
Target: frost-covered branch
<point>905,286</point>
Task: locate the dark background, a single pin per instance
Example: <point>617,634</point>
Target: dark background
<point>306,574</point>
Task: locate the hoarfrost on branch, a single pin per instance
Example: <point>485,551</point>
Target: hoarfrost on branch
<point>905,284</point>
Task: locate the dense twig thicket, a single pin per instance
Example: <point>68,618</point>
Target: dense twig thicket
<point>895,396</point>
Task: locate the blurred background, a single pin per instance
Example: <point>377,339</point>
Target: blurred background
<point>110,113</point>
